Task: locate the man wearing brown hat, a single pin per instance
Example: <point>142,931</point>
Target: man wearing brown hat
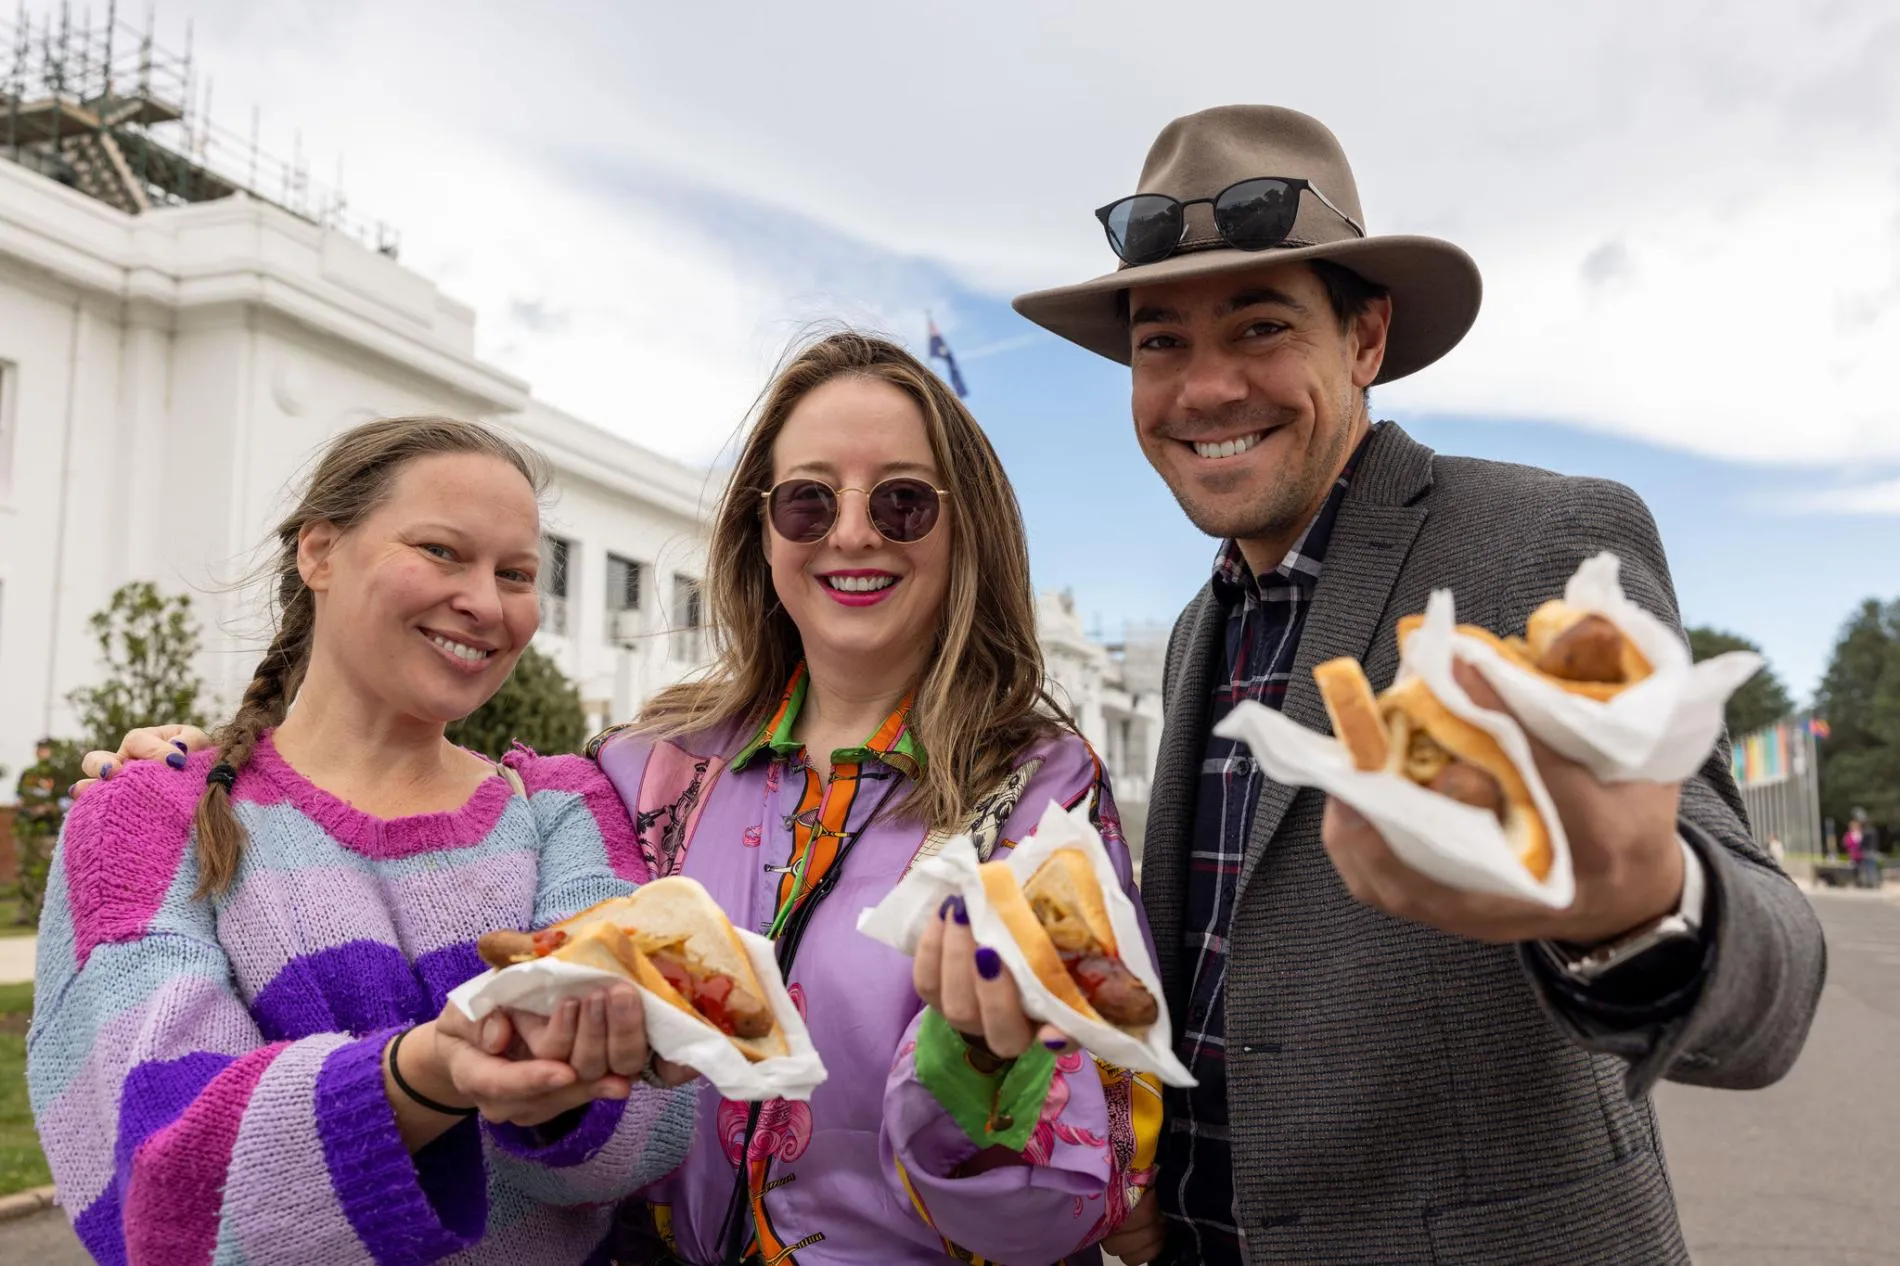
<point>1389,1070</point>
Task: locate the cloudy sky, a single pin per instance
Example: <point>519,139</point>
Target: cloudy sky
<point>1688,217</point>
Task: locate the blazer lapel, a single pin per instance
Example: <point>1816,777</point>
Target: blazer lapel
<point>1169,835</point>
<point>1371,537</point>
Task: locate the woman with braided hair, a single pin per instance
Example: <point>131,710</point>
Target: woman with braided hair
<point>240,1046</point>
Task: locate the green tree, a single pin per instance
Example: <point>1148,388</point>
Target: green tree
<point>43,801</point>
<point>1860,700</point>
<point>1762,700</point>
<point>147,642</point>
<point>537,705</point>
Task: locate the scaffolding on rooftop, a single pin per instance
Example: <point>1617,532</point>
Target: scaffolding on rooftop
<point>109,112</point>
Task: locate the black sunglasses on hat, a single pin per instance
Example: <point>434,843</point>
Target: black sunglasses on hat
<point>1249,215</point>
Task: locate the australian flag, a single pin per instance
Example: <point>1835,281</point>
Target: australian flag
<point>940,350</point>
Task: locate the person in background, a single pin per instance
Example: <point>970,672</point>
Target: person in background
<point>1865,853</point>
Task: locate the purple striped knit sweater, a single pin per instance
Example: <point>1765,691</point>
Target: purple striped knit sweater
<point>206,1077</point>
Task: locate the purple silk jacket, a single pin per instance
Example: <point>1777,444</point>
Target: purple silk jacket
<point>866,1172</point>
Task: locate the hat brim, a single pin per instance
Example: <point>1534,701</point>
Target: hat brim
<point>1435,291</point>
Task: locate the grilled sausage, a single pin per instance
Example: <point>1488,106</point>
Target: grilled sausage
<point>1589,650</point>
<point>1467,784</point>
<point>505,948</point>
<point>1114,991</point>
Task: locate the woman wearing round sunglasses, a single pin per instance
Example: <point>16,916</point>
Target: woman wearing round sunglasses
<point>879,688</point>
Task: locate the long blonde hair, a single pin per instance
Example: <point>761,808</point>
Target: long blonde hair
<point>982,699</point>
<point>351,479</point>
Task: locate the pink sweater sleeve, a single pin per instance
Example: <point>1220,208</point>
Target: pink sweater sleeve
<point>175,1129</point>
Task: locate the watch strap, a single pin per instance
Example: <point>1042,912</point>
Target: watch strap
<point>1585,964</point>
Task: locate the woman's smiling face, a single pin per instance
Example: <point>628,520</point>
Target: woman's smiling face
<point>857,597</point>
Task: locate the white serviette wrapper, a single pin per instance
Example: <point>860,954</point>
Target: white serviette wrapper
<point>1456,844</point>
<point>1661,729</point>
<point>900,918</point>
<point>542,985</point>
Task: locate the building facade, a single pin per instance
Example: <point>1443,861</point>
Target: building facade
<point>165,376</point>
<point>1113,690</point>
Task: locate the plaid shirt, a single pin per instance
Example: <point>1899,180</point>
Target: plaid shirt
<point>1264,619</point>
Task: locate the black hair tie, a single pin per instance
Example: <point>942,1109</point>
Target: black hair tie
<point>223,774</point>
<point>402,1083</point>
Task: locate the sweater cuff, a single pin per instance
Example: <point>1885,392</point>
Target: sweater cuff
<point>397,1211</point>
<point>998,1109</point>
<point>578,1145</point>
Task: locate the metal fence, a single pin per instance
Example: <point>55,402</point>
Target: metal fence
<point>1780,777</point>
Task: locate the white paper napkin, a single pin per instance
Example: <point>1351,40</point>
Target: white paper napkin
<point>1456,844</point>
<point>1661,729</point>
<point>900,918</point>
<point>542,985</point>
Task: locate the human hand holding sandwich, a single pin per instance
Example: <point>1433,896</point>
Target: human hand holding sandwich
<point>969,988</point>
<point>1625,857</point>
<point>1059,919</point>
<point>600,1036</point>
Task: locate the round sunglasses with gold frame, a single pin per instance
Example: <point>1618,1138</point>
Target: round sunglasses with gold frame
<point>903,509</point>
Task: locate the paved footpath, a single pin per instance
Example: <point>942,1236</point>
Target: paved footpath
<point>16,959</point>
<point>1801,1173</point>
<point>1805,1171</point>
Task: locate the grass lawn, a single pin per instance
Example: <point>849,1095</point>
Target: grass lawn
<point>21,1165</point>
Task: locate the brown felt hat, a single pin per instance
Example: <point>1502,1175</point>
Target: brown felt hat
<point>1435,286</point>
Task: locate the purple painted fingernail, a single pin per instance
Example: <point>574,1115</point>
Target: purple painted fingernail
<point>949,904</point>
<point>175,759</point>
<point>960,912</point>
<point>1056,1043</point>
<point>105,770</point>
<point>180,745</point>
<point>989,964</point>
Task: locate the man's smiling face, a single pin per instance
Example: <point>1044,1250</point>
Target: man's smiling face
<point>1248,395</point>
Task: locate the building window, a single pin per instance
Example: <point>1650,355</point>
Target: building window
<point>623,599</point>
<point>688,617</point>
<point>555,554</point>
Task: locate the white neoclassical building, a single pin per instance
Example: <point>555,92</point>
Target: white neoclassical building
<point>164,375</point>
<point>173,349</point>
<point>1113,690</point>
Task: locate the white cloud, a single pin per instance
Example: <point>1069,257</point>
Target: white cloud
<point>1882,497</point>
<point>1688,216</point>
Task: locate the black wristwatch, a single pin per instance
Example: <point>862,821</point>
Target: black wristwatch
<point>1666,948</point>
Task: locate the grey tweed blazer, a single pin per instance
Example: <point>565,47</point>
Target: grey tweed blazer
<point>1396,1094</point>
